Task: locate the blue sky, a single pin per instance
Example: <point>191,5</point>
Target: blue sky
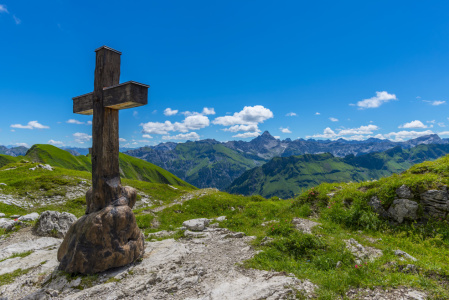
<point>229,69</point>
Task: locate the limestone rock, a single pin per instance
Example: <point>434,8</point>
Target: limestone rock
<point>38,244</point>
<point>29,217</point>
<point>193,234</point>
<point>2,215</point>
<point>221,218</point>
<point>6,223</point>
<point>45,167</point>
<point>404,192</point>
<point>435,203</point>
<point>101,240</point>
<point>304,225</point>
<point>404,255</point>
<point>53,223</point>
<point>196,224</point>
<point>403,209</point>
<point>361,253</point>
<point>377,207</point>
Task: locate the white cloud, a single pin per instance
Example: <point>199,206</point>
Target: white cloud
<point>22,145</point>
<point>441,124</point>
<point>89,122</point>
<point>333,119</point>
<point>30,125</point>
<point>378,100</point>
<point>432,121</point>
<point>3,9</point>
<point>443,133</point>
<point>194,122</point>
<point>360,130</point>
<point>246,135</point>
<point>317,114</point>
<point>55,143</point>
<point>73,121</point>
<point>208,111</point>
<point>17,20</point>
<point>135,114</point>
<point>170,112</point>
<point>355,132</point>
<point>291,114</point>
<point>122,140</point>
<point>285,130</point>
<point>435,102</point>
<point>413,124</point>
<point>327,134</point>
<point>182,136</point>
<point>249,115</point>
<point>277,137</point>
<point>236,128</point>
<point>147,136</point>
<point>81,137</point>
<point>403,135</point>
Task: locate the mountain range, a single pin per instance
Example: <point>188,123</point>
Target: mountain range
<point>285,177</point>
<point>210,163</point>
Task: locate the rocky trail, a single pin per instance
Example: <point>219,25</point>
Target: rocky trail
<point>203,268</point>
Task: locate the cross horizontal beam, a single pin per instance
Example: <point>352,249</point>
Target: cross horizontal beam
<point>125,95</point>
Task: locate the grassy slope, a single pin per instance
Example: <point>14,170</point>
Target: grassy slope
<point>346,215</point>
<point>6,159</point>
<point>288,176</point>
<point>131,168</point>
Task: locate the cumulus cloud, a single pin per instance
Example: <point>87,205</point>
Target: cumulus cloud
<point>194,122</point>
<point>81,137</point>
<point>170,112</point>
<point>435,102</point>
<point>89,122</point>
<point>182,136</point>
<point>328,133</point>
<point>317,114</point>
<point>73,121</point>
<point>122,140</point>
<point>30,125</point>
<point>147,136</point>
<point>291,114</point>
<point>236,128</point>
<point>441,124</point>
<point>249,115</point>
<point>246,135</point>
<point>208,111</point>
<point>413,124</point>
<point>443,133</point>
<point>403,135</point>
<point>285,130</point>
<point>333,119</point>
<point>378,100</point>
<point>55,143</point>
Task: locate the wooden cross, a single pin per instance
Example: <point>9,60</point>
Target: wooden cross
<point>104,103</point>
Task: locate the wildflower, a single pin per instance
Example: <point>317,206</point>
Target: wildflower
<point>356,266</point>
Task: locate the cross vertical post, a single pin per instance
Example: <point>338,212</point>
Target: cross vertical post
<point>105,132</point>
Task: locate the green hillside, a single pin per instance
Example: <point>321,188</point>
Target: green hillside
<point>130,167</point>
<point>287,176</point>
<point>6,159</point>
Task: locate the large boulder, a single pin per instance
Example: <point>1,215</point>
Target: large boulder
<point>54,223</point>
<point>101,240</point>
<point>402,209</point>
<point>29,217</point>
<point>435,203</point>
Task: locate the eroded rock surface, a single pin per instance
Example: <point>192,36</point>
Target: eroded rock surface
<point>361,253</point>
<point>304,225</point>
<point>194,269</point>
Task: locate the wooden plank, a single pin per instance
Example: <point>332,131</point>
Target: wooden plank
<point>126,95</point>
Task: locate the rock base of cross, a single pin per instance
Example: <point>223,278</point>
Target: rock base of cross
<point>103,239</point>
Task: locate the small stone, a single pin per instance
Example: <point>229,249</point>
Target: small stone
<point>196,224</point>
<point>221,218</point>
<point>338,264</point>
<point>53,223</point>
<point>266,240</point>
<point>192,234</point>
<point>14,216</point>
<point>2,215</point>
<point>29,217</point>
<point>3,184</point>
<point>404,255</point>
<point>235,235</point>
